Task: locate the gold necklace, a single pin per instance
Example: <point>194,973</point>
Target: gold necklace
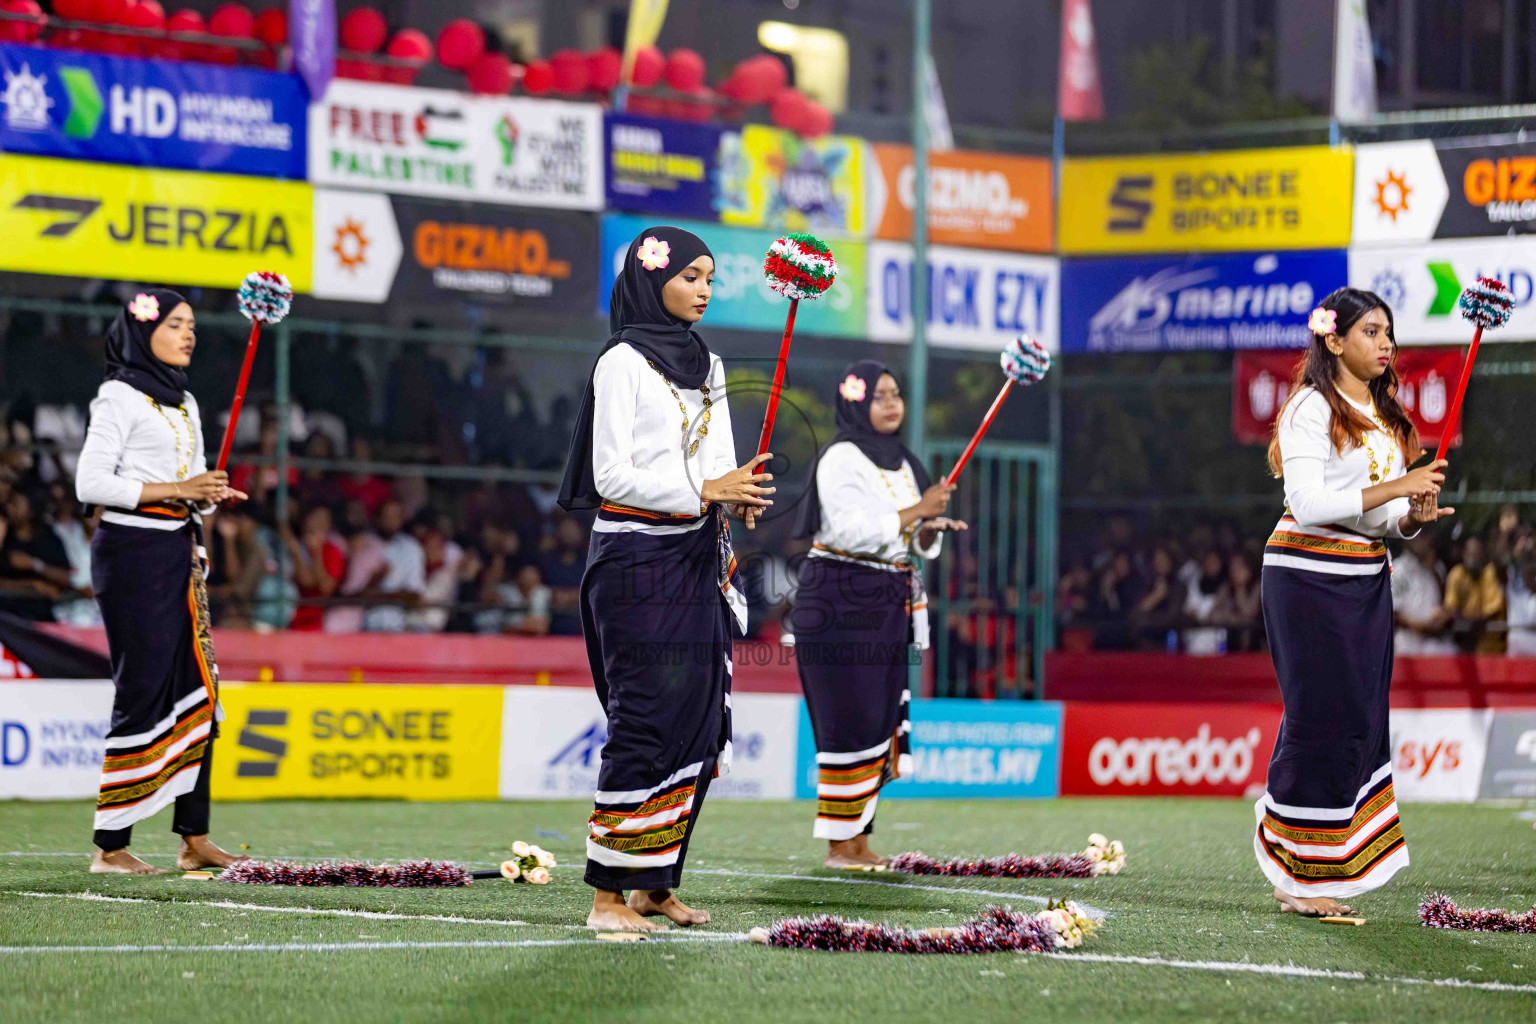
<point>1377,475</point>
<point>703,417</point>
<point>183,456</point>
<point>906,474</point>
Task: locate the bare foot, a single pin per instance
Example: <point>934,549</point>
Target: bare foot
<point>121,862</point>
<point>662,902</point>
<point>864,850</point>
<point>197,852</point>
<point>852,854</point>
<point>611,914</point>
<point>1321,906</point>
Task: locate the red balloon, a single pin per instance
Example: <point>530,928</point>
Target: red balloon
<point>146,14</point>
<point>412,45</point>
<point>73,10</point>
<point>459,43</point>
<point>182,21</point>
<point>538,78</point>
<point>815,120</point>
<point>272,26</point>
<point>603,69</point>
<point>685,70</point>
<point>760,78</point>
<point>649,65</point>
<point>233,21</point>
<point>20,31</point>
<point>363,30</point>
<point>570,69</point>
<point>109,12</point>
<point>786,108</point>
<point>490,74</point>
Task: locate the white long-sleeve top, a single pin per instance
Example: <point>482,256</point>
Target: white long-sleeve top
<point>638,448</point>
<point>129,444</point>
<point>1324,489</point>
<point>861,508</point>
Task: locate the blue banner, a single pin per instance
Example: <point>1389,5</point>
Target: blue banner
<point>1174,303</point>
<point>662,167</point>
<point>966,748</point>
<point>152,113</point>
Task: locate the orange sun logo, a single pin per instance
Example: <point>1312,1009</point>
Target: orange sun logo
<point>1392,195</point>
<point>351,245</point>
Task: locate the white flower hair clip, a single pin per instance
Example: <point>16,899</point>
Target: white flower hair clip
<point>852,389</point>
<point>144,307</point>
<point>654,253</point>
<point>1323,322</point>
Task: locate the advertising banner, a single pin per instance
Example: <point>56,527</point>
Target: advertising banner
<point>976,300</point>
<point>774,179</point>
<point>1167,749</point>
<point>552,739</point>
<point>1444,188</point>
<point>376,248</point>
<point>741,298</point>
<point>434,142</point>
<point>79,219</point>
<point>967,748</point>
<point>660,166</point>
<point>284,741</point>
<point>1293,198</point>
<point>52,737</point>
<point>1438,753</point>
<point>1261,381</point>
<point>1509,771</point>
<point>976,200</point>
<point>1175,303</point>
<point>1423,283</point>
<point>156,113</point>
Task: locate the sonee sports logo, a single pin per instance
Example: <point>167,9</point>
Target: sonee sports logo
<point>250,739</point>
<point>1130,203</point>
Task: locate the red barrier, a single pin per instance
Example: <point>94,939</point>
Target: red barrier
<point>760,667</point>
<point>1471,681</point>
<point>1166,749</point>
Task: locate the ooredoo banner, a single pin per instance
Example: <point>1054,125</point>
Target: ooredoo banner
<point>52,738</point>
<point>1167,749</point>
<point>552,741</point>
<point>1438,753</point>
<point>977,200</point>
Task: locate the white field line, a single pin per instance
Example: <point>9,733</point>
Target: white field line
<point>370,947</point>
<point>371,915</point>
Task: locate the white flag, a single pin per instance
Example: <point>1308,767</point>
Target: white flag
<point>1354,64</point>
<point>940,138</point>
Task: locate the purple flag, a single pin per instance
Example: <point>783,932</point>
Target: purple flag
<point>312,34</point>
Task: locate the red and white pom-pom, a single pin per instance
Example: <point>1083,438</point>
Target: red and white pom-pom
<point>799,266</point>
<point>264,297</point>
<point>1487,303</point>
<point>416,874</point>
<point>1439,911</point>
<point>1025,360</point>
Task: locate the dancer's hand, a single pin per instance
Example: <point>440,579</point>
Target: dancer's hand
<point>934,502</point>
<point>747,514</point>
<point>1426,480</point>
<point>1424,511</point>
<point>205,488</point>
<point>741,486</point>
<point>933,527</point>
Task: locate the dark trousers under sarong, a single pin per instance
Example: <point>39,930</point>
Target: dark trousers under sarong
<point>1327,823</point>
<point>155,611</point>
<point>852,630</point>
<point>659,642</point>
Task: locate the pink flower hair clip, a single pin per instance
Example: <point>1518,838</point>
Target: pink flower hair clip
<point>144,308</point>
<point>654,254</point>
<point>852,389</point>
<point>1323,322</point>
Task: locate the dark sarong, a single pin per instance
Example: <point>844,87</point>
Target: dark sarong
<point>852,629</point>
<point>149,584</point>
<point>1327,823</point>
<point>658,632</point>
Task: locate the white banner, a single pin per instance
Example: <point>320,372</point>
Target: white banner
<point>357,246</point>
<point>1400,192</point>
<point>1438,753</point>
<point>434,142</point>
<point>552,738</point>
<point>51,739</point>
<point>1422,284</point>
<point>976,299</point>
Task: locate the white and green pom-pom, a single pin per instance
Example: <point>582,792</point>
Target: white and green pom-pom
<point>1487,303</point>
<point>1025,360</point>
<point>799,266</point>
<point>265,297</point>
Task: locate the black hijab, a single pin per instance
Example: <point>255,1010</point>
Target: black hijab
<point>129,357</point>
<point>853,424</point>
<point>637,315</point>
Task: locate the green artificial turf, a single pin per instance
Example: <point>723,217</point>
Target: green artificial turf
<point>1191,892</point>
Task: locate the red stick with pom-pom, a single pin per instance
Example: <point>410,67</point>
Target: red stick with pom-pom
<point>797,266</point>
<point>1488,304</point>
<point>264,298</point>
<point>1025,362</point>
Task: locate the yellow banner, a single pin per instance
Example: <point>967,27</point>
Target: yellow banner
<point>283,741</point>
<point>81,219</point>
<point>1297,198</point>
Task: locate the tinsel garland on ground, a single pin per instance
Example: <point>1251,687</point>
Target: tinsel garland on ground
<point>416,874</point>
<point>995,930</point>
<point>1440,911</point>
<point>1102,856</point>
